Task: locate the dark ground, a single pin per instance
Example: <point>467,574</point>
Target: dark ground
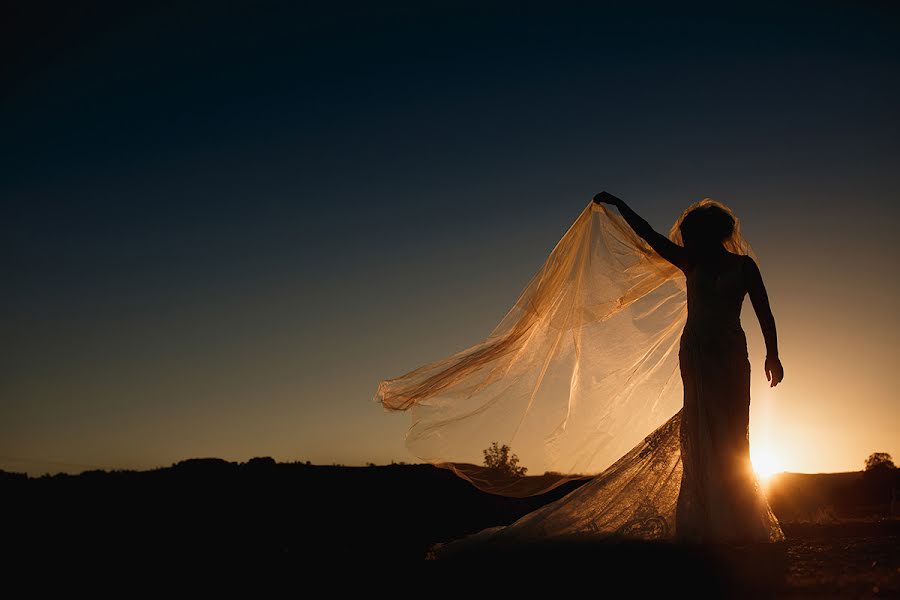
<point>296,516</point>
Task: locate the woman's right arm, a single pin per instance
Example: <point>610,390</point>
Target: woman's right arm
<point>665,247</point>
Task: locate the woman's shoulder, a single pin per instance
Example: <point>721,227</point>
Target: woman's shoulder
<point>742,261</point>
<point>749,271</point>
<point>746,260</point>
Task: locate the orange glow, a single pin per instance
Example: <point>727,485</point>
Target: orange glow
<point>765,462</point>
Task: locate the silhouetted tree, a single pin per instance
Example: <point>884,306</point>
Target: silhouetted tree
<point>879,461</point>
<point>499,458</point>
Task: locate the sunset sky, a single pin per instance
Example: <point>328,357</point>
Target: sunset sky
<point>224,225</point>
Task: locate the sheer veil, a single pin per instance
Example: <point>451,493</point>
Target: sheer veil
<point>578,379</point>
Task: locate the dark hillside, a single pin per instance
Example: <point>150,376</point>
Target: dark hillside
<point>211,509</point>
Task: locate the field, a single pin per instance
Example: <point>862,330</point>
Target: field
<point>295,514</point>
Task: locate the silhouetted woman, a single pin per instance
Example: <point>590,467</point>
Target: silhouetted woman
<point>719,498</point>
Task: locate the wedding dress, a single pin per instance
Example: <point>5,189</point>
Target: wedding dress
<point>608,342</point>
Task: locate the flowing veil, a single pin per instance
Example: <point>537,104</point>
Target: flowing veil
<point>580,379</point>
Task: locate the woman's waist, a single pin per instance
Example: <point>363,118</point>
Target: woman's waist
<point>713,330</point>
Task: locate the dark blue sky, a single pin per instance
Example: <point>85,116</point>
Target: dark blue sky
<point>225,223</point>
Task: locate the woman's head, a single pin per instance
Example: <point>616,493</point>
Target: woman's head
<point>706,226</point>
<point>710,221</point>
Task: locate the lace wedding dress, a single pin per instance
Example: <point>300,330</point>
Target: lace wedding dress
<point>592,353</point>
<point>719,496</point>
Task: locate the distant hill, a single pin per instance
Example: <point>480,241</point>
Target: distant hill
<point>824,497</point>
<point>213,506</point>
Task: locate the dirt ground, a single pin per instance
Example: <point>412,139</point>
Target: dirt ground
<point>835,560</point>
<point>843,560</point>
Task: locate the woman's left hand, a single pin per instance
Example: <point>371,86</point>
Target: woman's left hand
<point>774,370</point>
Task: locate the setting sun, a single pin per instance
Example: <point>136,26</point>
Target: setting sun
<point>765,463</point>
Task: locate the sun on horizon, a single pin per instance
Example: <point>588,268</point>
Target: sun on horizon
<point>765,463</point>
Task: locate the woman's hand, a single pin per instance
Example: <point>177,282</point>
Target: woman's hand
<point>607,197</point>
<point>774,370</point>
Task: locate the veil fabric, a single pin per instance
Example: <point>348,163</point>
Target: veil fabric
<point>580,378</point>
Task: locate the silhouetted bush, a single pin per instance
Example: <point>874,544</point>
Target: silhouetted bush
<point>499,458</point>
<point>260,462</point>
<point>880,460</point>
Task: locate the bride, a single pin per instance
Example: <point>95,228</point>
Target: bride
<point>588,361</point>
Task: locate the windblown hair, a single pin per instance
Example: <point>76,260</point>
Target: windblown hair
<point>709,221</point>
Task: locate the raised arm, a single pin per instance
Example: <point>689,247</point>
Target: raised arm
<point>760,299</point>
<point>665,247</point>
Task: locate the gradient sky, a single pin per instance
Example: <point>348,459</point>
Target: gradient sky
<point>224,224</point>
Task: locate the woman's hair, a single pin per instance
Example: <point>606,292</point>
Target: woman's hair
<point>708,221</point>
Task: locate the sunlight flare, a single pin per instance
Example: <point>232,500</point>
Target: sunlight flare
<point>765,463</point>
